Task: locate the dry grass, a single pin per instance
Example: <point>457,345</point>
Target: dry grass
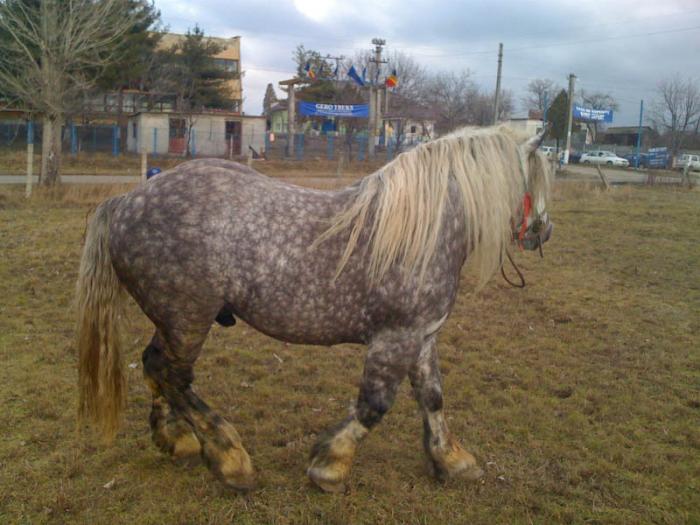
<point>579,393</point>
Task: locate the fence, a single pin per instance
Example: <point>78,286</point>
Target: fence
<point>201,141</point>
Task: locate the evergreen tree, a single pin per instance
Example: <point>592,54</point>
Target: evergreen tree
<point>557,117</point>
<point>269,100</point>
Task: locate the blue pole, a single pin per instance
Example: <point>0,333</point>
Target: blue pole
<point>73,140</point>
<point>299,146</point>
<point>30,132</point>
<point>361,148</point>
<point>94,140</point>
<point>330,146</point>
<point>194,142</point>
<point>637,157</point>
<point>115,140</point>
<point>155,141</point>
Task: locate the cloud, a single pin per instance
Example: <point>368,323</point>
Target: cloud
<point>594,40</point>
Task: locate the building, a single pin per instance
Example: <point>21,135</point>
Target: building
<point>529,126</point>
<point>214,133</point>
<point>229,59</point>
<point>627,136</point>
<point>126,101</point>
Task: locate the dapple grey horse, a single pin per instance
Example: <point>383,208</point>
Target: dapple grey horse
<point>376,263</point>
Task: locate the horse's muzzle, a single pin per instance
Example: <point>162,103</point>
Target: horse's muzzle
<point>538,234</point>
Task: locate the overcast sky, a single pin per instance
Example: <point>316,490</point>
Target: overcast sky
<point>623,47</point>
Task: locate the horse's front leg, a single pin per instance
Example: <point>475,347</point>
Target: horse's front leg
<point>446,457</point>
<point>388,360</point>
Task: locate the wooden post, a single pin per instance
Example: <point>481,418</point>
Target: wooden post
<point>606,183</point>
<point>372,128</point>
<point>291,110</point>
<point>30,159</point>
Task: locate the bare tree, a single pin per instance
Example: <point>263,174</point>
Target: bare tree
<point>676,113</point>
<point>540,92</point>
<point>597,100</point>
<point>52,54</point>
<point>449,95</point>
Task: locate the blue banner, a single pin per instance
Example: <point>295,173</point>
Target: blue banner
<point>589,114</point>
<point>315,109</point>
<point>657,157</point>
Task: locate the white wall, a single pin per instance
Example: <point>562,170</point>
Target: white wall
<point>253,134</point>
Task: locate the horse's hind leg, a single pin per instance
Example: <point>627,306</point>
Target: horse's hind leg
<point>171,369</point>
<point>446,456</point>
<point>170,431</point>
<point>388,360</point>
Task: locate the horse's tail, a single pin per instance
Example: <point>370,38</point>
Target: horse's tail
<point>100,301</point>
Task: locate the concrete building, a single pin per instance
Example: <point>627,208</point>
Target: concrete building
<point>229,59</point>
<point>210,134</point>
<point>527,125</point>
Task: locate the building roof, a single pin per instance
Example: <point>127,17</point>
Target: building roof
<point>624,130</point>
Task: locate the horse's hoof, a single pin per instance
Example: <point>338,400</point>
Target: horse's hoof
<point>454,462</point>
<point>326,483</point>
<point>231,465</point>
<point>186,451</point>
<point>240,484</point>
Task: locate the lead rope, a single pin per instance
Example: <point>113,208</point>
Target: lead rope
<point>515,267</point>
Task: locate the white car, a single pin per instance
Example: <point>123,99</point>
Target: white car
<point>688,160</point>
<point>603,157</point>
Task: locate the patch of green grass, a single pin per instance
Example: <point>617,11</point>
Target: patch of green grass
<point>578,394</point>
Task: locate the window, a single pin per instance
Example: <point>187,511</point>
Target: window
<point>227,64</point>
<point>413,129</point>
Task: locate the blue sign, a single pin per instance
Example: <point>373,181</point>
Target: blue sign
<point>314,109</point>
<point>593,115</point>
<point>657,157</point>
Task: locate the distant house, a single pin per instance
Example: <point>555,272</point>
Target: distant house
<point>529,126</point>
<point>278,117</point>
<point>408,122</point>
<point>214,133</point>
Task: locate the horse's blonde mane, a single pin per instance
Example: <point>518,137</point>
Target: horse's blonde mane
<point>406,200</point>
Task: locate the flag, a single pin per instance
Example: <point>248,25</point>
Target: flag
<point>309,71</point>
<point>335,73</point>
<point>392,80</point>
<point>364,75</point>
<point>352,73</point>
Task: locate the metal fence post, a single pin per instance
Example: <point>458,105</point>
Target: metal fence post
<point>115,140</point>
<point>361,145</point>
<point>193,139</point>
<point>73,139</point>
<point>155,141</point>
<point>330,146</point>
<point>299,146</point>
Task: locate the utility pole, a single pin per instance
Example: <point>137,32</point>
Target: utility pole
<point>638,157</point>
<point>374,95</point>
<point>570,118</point>
<point>497,98</point>
<point>337,67</point>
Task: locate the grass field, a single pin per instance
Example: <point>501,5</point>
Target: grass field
<point>580,395</point>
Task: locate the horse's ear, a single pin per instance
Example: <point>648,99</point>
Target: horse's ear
<point>535,142</point>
